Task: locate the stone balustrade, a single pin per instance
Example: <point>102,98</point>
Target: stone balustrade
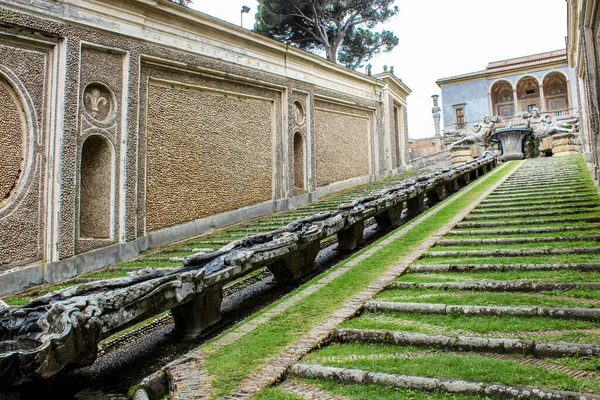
<point>63,328</point>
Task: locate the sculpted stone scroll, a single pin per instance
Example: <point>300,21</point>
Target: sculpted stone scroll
<point>63,328</point>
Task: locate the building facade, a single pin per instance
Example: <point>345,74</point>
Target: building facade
<point>583,43</point>
<point>509,87</point>
<point>128,124</point>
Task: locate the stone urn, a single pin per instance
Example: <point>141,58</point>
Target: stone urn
<point>511,140</point>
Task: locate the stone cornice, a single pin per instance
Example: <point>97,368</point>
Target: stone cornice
<point>164,23</point>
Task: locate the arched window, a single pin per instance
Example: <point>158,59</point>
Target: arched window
<point>528,94</point>
<point>299,163</point>
<point>96,188</point>
<point>502,99</point>
<point>556,92</point>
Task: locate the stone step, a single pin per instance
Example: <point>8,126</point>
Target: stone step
<point>546,183</point>
<point>513,252</point>
<point>542,189</point>
<point>524,231</point>
<point>421,383</point>
<point>495,286</point>
<point>543,179</point>
<point>424,268</point>
<point>536,239</point>
<point>526,222</point>
<point>494,215</point>
<point>466,343</point>
<point>539,195</point>
<point>581,314</point>
<point>509,208</point>
<point>563,200</point>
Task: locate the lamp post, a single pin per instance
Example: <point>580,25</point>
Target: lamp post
<point>245,10</point>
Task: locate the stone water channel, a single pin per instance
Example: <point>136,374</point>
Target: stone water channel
<point>126,357</point>
<point>505,305</point>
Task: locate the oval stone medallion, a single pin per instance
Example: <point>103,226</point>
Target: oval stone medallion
<point>12,141</point>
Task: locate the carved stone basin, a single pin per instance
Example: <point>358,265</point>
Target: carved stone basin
<point>511,140</point>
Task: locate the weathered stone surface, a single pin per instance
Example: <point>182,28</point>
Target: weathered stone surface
<point>585,314</point>
<point>467,343</point>
<point>217,144</point>
<point>64,327</point>
<point>343,375</point>
<point>501,286</point>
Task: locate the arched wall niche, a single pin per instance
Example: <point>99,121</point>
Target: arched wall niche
<point>556,92</point>
<point>15,137</point>
<point>299,161</point>
<point>96,188</point>
<point>528,94</point>
<point>502,98</point>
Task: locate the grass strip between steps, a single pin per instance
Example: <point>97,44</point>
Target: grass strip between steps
<point>537,276</point>
<point>470,367</point>
<point>363,392</point>
<point>458,324</point>
<point>232,363</point>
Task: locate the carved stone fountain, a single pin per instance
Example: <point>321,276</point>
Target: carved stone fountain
<point>511,140</point>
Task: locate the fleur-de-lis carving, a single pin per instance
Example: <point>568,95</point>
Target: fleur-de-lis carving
<point>96,101</point>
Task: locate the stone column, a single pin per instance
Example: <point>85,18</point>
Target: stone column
<point>543,106</point>
<point>515,101</point>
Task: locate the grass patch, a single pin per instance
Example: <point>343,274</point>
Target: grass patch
<point>516,246</point>
<point>522,235</point>
<point>381,392</point>
<point>275,393</point>
<point>473,367</point>
<point>132,327</point>
<point>566,275</point>
<point>148,264</point>
<point>490,299</point>
<point>232,363</point>
<point>459,323</point>
<point>545,259</point>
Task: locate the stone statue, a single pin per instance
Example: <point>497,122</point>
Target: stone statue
<point>480,133</point>
<point>547,125</point>
<point>369,67</point>
<point>436,111</point>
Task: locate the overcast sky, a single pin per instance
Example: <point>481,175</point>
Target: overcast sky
<point>441,38</point>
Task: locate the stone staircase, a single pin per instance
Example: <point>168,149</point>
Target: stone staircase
<point>507,304</point>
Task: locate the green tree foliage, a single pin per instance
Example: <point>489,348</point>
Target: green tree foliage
<point>341,29</point>
<point>182,2</point>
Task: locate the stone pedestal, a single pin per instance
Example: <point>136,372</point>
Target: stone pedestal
<point>473,175</point>
<point>415,205</point>
<point>194,317</point>
<point>564,144</point>
<point>390,218</point>
<point>351,238</point>
<point>451,186</point>
<point>296,265</point>
<point>435,195</point>
<point>464,179</point>
<point>460,155</point>
<point>546,145</point>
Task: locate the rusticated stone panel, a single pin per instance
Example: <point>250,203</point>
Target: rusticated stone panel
<point>96,188</point>
<point>12,141</point>
<point>23,83</point>
<point>207,152</point>
<point>342,145</point>
<point>101,88</point>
